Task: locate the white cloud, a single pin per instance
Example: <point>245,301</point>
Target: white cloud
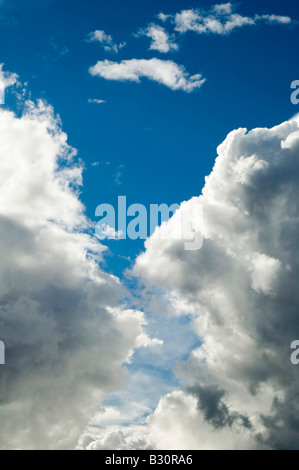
<point>66,337</point>
<point>106,40</point>
<point>241,291</point>
<point>7,79</point>
<point>160,40</point>
<point>96,101</point>
<point>178,424</point>
<point>274,19</point>
<point>166,72</point>
<point>219,19</point>
<point>110,232</point>
<point>163,17</point>
<point>100,163</point>
<point>223,8</point>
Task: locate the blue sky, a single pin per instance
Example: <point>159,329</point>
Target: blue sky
<point>159,143</point>
<point>146,141</point>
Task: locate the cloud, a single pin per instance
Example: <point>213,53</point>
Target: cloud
<point>106,40</point>
<point>178,423</point>
<point>96,101</point>
<point>7,79</point>
<point>163,17</point>
<point>276,19</point>
<point>160,40</point>
<point>110,233</point>
<point>219,19</point>
<point>240,387</point>
<point>166,72</point>
<point>66,336</point>
<point>101,163</point>
<point>108,429</point>
<point>119,174</point>
<point>115,440</point>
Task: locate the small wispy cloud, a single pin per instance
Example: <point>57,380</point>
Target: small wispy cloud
<point>95,164</point>
<point>96,101</point>
<point>110,233</point>
<point>119,175</point>
<point>272,19</point>
<point>105,40</point>
<point>55,52</point>
<point>163,17</point>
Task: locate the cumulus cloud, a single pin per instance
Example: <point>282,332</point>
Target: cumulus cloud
<point>240,387</point>
<point>166,72</point>
<point>115,440</point>
<point>106,40</point>
<point>219,19</point>
<point>66,336</point>
<point>160,39</point>
<point>179,423</point>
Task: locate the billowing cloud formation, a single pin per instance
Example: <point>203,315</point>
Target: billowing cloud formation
<point>160,39</point>
<point>106,40</point>
<point>220,19</point>
<point>241,289</point>
<point>66,337</point>
<point>166,72</point>
<point>240,387</point>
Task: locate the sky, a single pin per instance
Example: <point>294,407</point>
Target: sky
<point>134,344</point>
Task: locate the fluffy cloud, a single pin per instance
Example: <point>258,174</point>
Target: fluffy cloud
<point>160,40</point>
<point>220,19</point>
<point>240,387</point>
<point>166,72</point>
<point>106,40</point>
<point>65,334</point>
<point>108,430</point>
<point>180,423</point>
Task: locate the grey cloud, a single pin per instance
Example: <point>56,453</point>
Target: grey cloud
<point>241,290</point>
<point>214,408</point>
<point>65,333</point>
